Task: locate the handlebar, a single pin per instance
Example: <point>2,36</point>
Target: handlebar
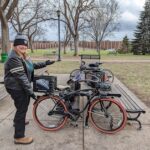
<point>90,66</point>
<point>99,63</point>
<point>113,95</point>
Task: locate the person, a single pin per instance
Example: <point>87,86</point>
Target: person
<point>19,72</point>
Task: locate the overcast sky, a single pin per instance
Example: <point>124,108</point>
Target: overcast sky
<point>130,10</point>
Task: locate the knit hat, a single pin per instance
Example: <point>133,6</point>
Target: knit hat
<point>21,39</point>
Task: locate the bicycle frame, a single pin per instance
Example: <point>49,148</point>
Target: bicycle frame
<point>94,69</point>
<point>62,104</point>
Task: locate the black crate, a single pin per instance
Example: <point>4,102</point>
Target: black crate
<point>45,84</point>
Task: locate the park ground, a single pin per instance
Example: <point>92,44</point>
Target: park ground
<point>132,70</point>
<point>74,138</point>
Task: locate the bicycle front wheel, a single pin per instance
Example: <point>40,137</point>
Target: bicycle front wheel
<point>49,112</point>
<point>74,73</point>
<point>107,119</point>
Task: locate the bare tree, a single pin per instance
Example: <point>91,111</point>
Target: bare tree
<point>102,20</point>
<point>72,14</point>
<point>66,37</point>
<point>32,33</point>
<point>6,10</point>
<point>27,16</point>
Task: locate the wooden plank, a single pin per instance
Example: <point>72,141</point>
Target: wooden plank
<point>83,56</point>
<point>126,100</point>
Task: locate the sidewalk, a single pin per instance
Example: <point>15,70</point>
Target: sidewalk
<point>69,137</point>
<point>102,60</point>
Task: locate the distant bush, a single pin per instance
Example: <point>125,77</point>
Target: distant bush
<point>111,52</point>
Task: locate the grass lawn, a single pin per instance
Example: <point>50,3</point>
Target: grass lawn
<point>136,76</point>
<point>105,55</point>
<point>63,67</point>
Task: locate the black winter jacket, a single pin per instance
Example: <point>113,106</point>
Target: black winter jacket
<point>17,76</point>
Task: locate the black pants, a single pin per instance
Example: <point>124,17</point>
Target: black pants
<point>21,102</point>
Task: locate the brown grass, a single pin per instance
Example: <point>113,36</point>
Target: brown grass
<point>136,76</point>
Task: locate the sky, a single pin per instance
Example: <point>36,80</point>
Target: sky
<point>129,16</point>
<point>130,11</point>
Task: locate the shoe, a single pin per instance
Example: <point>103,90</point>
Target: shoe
<point>26,123</point>
<point>24,140</point>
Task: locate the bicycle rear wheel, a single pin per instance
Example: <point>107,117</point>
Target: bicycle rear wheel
<point>107,119</point>
<point>49,112</point>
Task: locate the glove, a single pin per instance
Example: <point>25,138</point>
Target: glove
<point>48,62</point>
<point>33,96</point>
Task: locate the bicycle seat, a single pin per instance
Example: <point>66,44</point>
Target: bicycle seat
<point>93,65</point>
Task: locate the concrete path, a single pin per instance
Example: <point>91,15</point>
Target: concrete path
<point>102,60</point>
<point>71,138</point>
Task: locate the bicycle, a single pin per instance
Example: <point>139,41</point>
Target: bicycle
<point>105,75</point>
<point>52,110</point>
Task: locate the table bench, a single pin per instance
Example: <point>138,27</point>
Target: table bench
<point>86,56</point>
<point>132,108</point>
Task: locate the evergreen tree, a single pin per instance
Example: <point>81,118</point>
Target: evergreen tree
<point>141,42</point>
<point>125,45</point>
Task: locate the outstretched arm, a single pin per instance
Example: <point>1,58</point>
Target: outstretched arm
<point>42,64</point>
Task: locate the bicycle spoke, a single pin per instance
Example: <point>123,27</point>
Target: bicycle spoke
<point>107,119</point>
<point>46,115</point>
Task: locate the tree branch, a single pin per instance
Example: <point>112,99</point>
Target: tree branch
<point>11,9</point>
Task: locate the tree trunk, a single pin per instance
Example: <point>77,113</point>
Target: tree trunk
<point>65,49</point>
<point>99,49</point>
<point>31,45</point>
<point>5,37</point>
<point>97,46</point>
<point>76,41</point>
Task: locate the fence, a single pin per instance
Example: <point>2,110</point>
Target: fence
<point>82,44</point>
